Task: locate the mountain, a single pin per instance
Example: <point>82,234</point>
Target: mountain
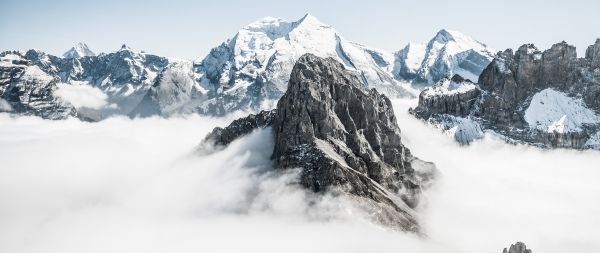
<point>124,76</point>
<point>447,53</point>
<point>345,139</point>
<point>518,247</point>
<point>26,89</point>
<point>250,70</point>
<point>548,99</point>
<point>78,51</point>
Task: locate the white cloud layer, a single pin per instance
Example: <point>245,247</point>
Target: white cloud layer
<point>124,185</point>
<point>82,95</point>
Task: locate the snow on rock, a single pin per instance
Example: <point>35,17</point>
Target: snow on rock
<point>554,111</point>
<point>78,51</point>
<point>256,63</point>
<point>449,87</point>
<point>594,141</point>
<point>448,53</point>
<point>464,130</point>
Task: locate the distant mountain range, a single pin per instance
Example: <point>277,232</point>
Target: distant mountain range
<point>247,72</point>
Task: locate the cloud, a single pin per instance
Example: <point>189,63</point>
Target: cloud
<point>5,106</point>
<point>82,95</point>
<point>124,185</point>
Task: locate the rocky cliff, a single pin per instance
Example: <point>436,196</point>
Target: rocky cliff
<point>26,89</point>
<point>345,139</point>
<point>518,247</point>
<point>549,99</point>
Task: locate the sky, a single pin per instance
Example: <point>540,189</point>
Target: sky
<point>189,29</point>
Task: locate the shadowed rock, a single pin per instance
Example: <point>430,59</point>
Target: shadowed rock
<point>345,139</point>
<point>518,247</point>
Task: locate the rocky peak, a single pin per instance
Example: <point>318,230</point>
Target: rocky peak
<point>443,36</point>
<point>79,50</point>
<point>518,247</point>
<point>345,139</point>
<point>526,50</point>
<point>593,53</point>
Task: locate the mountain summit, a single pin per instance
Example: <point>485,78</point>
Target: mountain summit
<point>79,50</point>
<point>344,138</point>
<point>447,53</point>
<point>250,71</point>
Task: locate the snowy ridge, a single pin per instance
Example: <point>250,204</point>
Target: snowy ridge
<point>449,87</point>
<point>254,65</point>
<point>554,112</point>
<point>447,53</point>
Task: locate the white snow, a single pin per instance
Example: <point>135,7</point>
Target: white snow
<point>79,50</point>
<point>33,74</point>
<point>448,48</point>
<point>594,141</point>
<point>554,111</point>
<point>5,106</point>
<point>328,150</point>
<point>448,87</point>
<point>271,46</point>
<point>464,130</point>
<point>415,55</point>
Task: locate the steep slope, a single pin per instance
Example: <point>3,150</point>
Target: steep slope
<point>26,89</point>
<point>549,99</point>
<point>252,68</point>
<point>447,53</point>
<point>344,137</point>
<point>78,51</point>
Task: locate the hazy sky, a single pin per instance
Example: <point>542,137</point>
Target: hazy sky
<point>188,29</point>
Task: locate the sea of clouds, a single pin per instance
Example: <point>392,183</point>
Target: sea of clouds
<point>135,185</point>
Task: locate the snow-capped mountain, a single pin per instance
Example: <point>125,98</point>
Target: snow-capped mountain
<point>250,71</point>
<point>124,76</point>
<point>548,99</point>
<point>79,50</point>
<point>252,68</point>
<point>448,53</point>
<point>26,89</point>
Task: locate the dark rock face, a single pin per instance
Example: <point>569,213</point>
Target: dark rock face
<point>456,103</point>
<point>518,247</point>
<point>508,85</point>
<point>240,127</point>
<point>345,139</point>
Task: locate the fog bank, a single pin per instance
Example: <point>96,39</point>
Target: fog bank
<point>125,185</point>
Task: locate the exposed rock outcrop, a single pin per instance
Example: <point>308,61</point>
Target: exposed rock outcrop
<point>345,139</point>
<point>549,99</point>
<point>518,247</point>
<point>28,90</point>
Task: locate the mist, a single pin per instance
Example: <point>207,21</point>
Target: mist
<point>134,185</point>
